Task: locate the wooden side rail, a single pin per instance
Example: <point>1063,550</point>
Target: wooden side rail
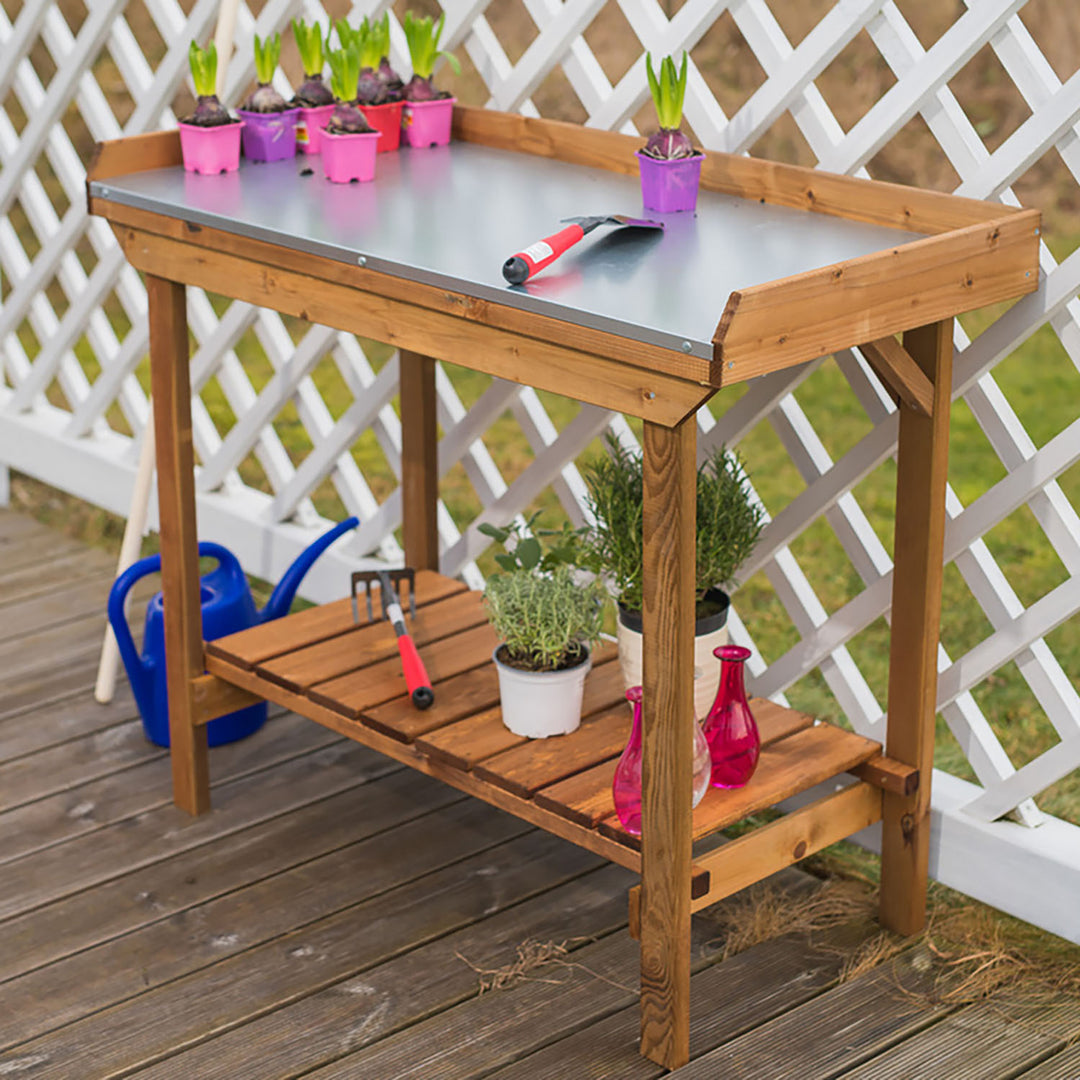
<point>779,844</point>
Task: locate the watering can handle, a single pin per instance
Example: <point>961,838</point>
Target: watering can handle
<point>117,617</point>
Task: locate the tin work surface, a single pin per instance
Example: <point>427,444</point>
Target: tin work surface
<point>450,216</point>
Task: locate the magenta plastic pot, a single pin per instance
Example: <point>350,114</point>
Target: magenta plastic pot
<point>211,150</point>
<point>269,136</point>
<point>309,127</point>
<point>348,157</point>
<point>427,123</point>
<point>669,186</point>
<point>386,120</point>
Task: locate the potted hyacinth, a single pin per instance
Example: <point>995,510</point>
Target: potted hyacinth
<point>379,91</point>
<point>313,99</point>
<point>547,622</point>
<point>209,137</point>
<point>269,120</point>
<point>348,140</point>
<point>428,112</point>
<point>729,523</point>
<point>670,165</point>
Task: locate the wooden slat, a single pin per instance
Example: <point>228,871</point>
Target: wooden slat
<point>460,696</point>
<point>785,768</point>
<point>302,628</point>
<point>381,682</point>
<point>364,645</point>
<point>922,465</point>
<point>586,797</point>
<point>213,697</point>
<point>895,366</point>
<point>409,755</point>
<point>894,205</point>
<point>790,320</point>
<point>652,394</point>
<point>889,775</point>
<point>482,735</point>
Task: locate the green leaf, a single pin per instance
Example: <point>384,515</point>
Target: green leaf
<point>528,553</point>
<point>309,44</point>
<point>502,535</point>
<point>203,63</point>
<point>507,562</point>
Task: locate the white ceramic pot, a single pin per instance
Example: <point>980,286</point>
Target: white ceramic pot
<point>710,633</point>
<point>538,704</point>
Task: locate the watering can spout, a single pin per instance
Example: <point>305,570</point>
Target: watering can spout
<point>283,595</point>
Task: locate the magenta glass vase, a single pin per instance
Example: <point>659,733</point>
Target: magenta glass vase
<point>734,742</point>
<point>626,787</point>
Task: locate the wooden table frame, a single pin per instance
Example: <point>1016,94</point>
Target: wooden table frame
<point>972,254</point>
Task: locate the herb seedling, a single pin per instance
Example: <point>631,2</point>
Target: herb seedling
<point>423,34</point>
<point>668,90</point>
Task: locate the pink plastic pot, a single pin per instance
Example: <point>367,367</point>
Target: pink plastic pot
<point>211,150</point>
<point>386,120</point>
<point>427,123</point>
<point>269,136</point>
<point>669,186</point>
<point>348,157</point>
<point>309,127</point>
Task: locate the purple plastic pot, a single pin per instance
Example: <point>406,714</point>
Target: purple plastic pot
<point>386,120</point>
<point>211,150</point>
<point>668,186</point>
<point>348,157</point>
<point>309,127</point>
<point>427,123</point>
<point>269,136</point>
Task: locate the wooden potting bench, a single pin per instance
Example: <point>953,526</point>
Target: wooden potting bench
<point>808,263</point>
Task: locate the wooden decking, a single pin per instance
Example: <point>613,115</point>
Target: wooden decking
<point>327,917</point>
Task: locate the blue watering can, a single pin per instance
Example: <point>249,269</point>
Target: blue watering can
<point>227,606</point>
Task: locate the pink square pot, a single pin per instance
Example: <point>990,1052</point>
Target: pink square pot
<point>348,157</point>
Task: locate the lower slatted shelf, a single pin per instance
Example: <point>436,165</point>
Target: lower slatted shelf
<point>322,664</point>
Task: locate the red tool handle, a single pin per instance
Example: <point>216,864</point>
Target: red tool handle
<point>521,266</point>
<point>416,678</point>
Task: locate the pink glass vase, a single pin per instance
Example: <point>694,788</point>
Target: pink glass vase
<point>734,742</point>
<point>626,787</point>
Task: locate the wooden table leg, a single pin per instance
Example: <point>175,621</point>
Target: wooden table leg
<point>922,470</point>
<point>171,396</point>
<point>419,461</point>
<point>668,676</point>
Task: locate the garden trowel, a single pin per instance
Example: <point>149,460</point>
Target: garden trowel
<point>523,264</point>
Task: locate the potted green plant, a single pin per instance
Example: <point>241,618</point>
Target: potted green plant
<point>269,120</point>
<point>348,140</point>
<point>428,112</point>
<point>547,621</point>
<point>209,137</point>
<point>729,523</point>
<point>379,90</point>
<point>314,98</point>
<point>669,164</point>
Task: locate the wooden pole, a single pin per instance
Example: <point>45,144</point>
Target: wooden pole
<point>670,479</point>
<point>419,461</point>
<point>170,384</point>
<point>922,470</point>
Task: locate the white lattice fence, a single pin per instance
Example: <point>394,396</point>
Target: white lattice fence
<point>73,335</point>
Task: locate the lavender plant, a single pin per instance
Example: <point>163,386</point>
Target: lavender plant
<point>313,90</point>
<point>209,112</point>
<point>668,90</point>
<point>264,98</point>
<point>422,35</point>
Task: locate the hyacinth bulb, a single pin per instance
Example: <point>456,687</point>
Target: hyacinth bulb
<point>347,119</point>
<point>314,92</point>
<point>626,785</point>
<point>667,144</point>
<point>209,112</point>
<point>734,742</point>
<point>265,99</point>
<point>371,90</point>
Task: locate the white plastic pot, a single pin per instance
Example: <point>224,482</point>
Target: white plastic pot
<point>711,633</point>
<point>538,704</point>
